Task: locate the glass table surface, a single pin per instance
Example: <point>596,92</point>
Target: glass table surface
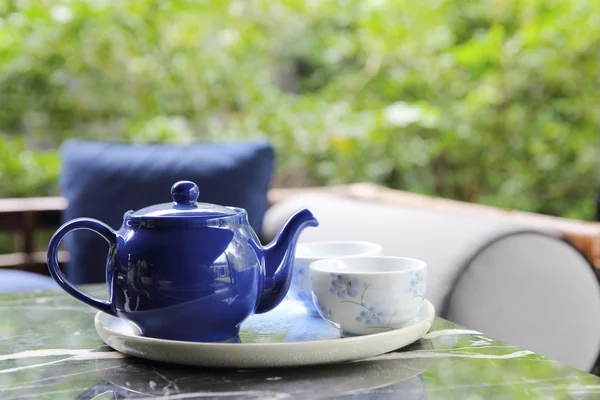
<point>49,349</point>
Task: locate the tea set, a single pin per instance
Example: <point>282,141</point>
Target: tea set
<point>188,280</point>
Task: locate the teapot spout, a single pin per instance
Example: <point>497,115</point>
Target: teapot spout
<point>279,260</point>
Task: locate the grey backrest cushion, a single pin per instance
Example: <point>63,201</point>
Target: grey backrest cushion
<point>444,241</point>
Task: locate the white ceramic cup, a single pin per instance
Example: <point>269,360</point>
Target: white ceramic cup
<point>307,253</point>
<point>367,295</point>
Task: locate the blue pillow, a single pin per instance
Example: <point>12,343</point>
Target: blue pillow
<point>104,180</point>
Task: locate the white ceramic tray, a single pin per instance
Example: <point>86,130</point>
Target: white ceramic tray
<point>285,337</point>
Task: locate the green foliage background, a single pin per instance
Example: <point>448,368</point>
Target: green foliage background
<point>490,101</point>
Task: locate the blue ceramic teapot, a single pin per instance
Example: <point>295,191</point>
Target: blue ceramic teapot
<point>187,270</point>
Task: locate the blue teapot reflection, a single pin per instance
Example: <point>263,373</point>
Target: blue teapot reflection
<point>187,270</point>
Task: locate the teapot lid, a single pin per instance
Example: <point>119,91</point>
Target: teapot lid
<point>185,194</point>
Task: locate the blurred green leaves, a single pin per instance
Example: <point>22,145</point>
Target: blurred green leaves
<point>26,172</point>
<point>478,100</point>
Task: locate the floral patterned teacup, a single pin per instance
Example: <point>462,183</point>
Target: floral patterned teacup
<point>367,295</point>
<point>307,253</point>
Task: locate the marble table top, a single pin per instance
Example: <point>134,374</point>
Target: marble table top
<point>49,350</point>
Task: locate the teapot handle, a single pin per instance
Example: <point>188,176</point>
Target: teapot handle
<point>80,223</point>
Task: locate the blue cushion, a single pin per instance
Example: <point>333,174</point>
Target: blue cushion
<point>20,281</point>
<point>104,180</point>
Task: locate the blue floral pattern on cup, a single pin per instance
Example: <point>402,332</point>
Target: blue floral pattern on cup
<point>344,287</point>
<point>372,317</point>
<point>352,290</point>
<point>300,288</point>
<point>417,284</point>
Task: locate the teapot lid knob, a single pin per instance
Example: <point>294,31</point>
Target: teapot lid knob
<point>185,193</point>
